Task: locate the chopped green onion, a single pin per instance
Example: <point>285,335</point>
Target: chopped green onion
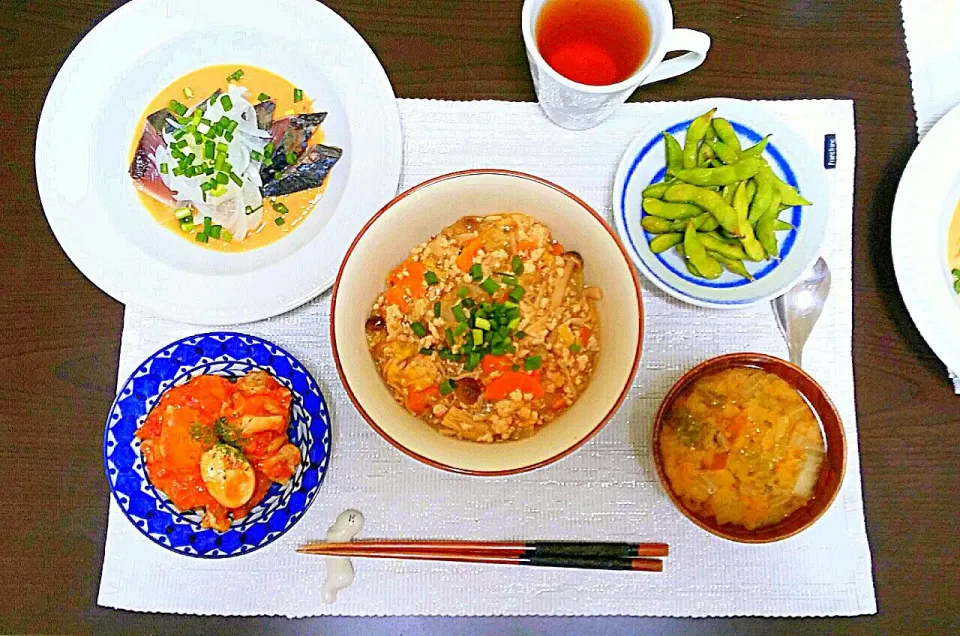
<point>427,351</point>
<point>513,323</point>
<point>163,168</point>
<point>472,361</point>
<point>256,156</point>
<point>448,334</point>
<point>514,367</point>
<point>207,224</point>
<point>459,329</point>
<point>476,272</point>
<point>228,136</point>
<point>221,159</point>
<point>489,286</point>
<point>516,294</point>
<point>281,208</point>
<point>520,335</point>
<point>182,212</point>
<point>431,278</point>
<point>177,107</point>
<point>482,323</point>
<point>215,231</point>
<point>177,171</point>
<point>575,348</point>
<point>222,178</point>
<point>498,350</point>
<point>209,150</point>
<point>477,337</point>
<point>226,102</point>
<point>458,313</point>
<point>268,149</point>
<point>532,363</point>
<point>226,236</point>
<point>232,125</point>
<point>291,158</point>
<point>236,75</point>
<point>202,238</point>
<point>418,329</point>
<point>236,179</point>
<point>297,95</point>
<point>447,387</point>
<point>436,309</point>
<point>516,264</point>
<point>508,280</point>
<point>279,220</point>
<point>188,93</point>
<point>262,97</point>
<point>463,292</point>
<point>219,191</point>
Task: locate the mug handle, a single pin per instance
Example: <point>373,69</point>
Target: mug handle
<point>696,43</point>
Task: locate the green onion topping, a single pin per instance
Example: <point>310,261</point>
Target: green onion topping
<point>431,278</point>
<point>297,95</point>
<point>418,329</point>
<point>476,272</point>
<point>236,75</point>
<point>532,363</point>
<point>447,387</point>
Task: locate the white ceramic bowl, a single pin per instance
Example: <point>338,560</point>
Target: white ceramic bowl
<point>420,213</point>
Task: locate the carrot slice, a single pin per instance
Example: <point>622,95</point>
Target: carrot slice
<point>502,386</point>
<point>585,333</point>
<point>492,363</point>
<point>557,249</point>
<point>465,260</point>
<point>526,246</point>
<point>420,401</point>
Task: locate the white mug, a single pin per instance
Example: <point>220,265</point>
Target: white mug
<point>579,106</point>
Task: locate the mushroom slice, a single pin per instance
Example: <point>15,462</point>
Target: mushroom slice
<point>571,261</point>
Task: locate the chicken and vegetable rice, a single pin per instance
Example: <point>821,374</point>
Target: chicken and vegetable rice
<point>486,331</point>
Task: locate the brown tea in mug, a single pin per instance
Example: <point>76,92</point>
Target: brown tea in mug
<point>595,42</point>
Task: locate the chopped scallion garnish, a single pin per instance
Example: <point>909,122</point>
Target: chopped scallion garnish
<point>437,307</point>
<point>448,334</point>
<point>188,93</point>
<point>476,272</point>
<point>182,212</point>
<point>477,337</point>
<point>177,108</point>
<point>458,313</point>
<point>164,169</point>
<point>297,95</point>
<point>532,363</point>
<point>226,102</point>
<point>575,348</point>
<point>482,323</point>
<point>490,286</point>
<point>235,76</point>
<point>291,158</point>
<point>447,387</point>
<point>279,220</point>
<point>226,236</point>
<point>263,97</point>
<point>280,208</point>
<point>236,179</point>
<point>516,294</point>
<point>418,329</point>
<point>516,264</point>
<point>215,231</point>
<point>431,278</point>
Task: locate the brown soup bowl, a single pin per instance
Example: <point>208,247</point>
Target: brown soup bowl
<point>831,470</point>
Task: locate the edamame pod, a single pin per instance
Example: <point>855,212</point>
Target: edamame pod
<point>706,222</point>
<point>751,245</point>
<point>663,242</point>
<point>727,193</point>
<point>705,156</point>
<point>724,152</point>
<point>732,265</point>
<point>765,189</point>
<point>671,211</point>
<point>781,226</point>
<point>788,194</point>
<point>726,134</point>
<point>714,244</point>
<point>697,255</point>
<point>726,175</point>
<point>674,153</point>
<point>657,225</point>
<point>656,190</point>
<point>706,199</point>
<point>686,261</point>
<point>767,237</point>
<point>695,134</point>
<point>751,190</point>
<point>755,150</point>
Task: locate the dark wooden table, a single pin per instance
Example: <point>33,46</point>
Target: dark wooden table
<point>60,335</point>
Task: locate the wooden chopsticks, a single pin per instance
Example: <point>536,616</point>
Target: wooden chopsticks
<point>639,557</point>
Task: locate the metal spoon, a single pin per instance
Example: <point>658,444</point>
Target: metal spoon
<point>798,310</point>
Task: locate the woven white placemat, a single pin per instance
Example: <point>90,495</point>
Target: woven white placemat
<point>930,28</point>
<point>608,490</point>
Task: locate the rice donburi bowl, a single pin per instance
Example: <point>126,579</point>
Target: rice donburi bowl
<point>413,219</point>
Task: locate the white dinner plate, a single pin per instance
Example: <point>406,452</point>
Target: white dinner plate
<point>97,98</point>
<point>928,193</point>
<point>790,157</point>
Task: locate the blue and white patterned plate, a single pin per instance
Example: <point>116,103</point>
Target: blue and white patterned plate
<point>227,354</point>
<point>789,155</point>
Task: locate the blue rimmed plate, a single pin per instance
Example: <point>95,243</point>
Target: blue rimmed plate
<point>227,354</point>
<point>790,156</point>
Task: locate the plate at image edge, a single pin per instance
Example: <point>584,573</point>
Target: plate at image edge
<point>925,207</point>
<point>90,118</point>
<point>224,354</point>
<point>790,157</point>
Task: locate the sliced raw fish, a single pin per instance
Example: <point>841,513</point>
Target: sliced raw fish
<point>290,135</point>
<point>144,169</point>
<point>309,171</point>
<point>265,114</point>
